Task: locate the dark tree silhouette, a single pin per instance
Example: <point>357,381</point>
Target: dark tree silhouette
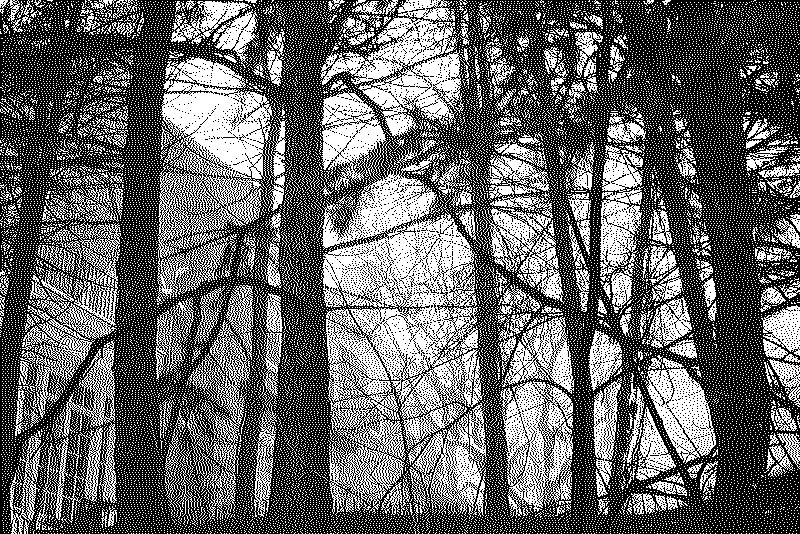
<point>38,153</point>
<point>300,493</point>
<point>735,379</point>
<point>700,53</point>
<point>140,487</point>
<point>549,142</point>
<point>479,124</point>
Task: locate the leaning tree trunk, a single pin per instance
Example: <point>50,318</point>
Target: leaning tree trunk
<point>673,190</point>
<point>706,55</point>
<point>140,488</point>
<point>300,493</point>
<point>37,158</point>
<point>479,122</point>
<point>263,344</point>
<point>736,381</point>
<point>647,35</point>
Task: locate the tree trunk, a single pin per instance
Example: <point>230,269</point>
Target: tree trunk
<point>622,436</point>
<point>38,157</point>
<point>692,287</point>
<point>479,122</point>
<point>583,495</point>
<point>672,185</point>
<point>733,375</point>
<point>661,157</point>
<point>263,344</point>
<point>736,381</point>
<point>35,180</point>
<point>140,488</point>
<point>300,493</point>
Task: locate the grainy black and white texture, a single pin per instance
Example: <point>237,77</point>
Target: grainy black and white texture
<point>399,266</point>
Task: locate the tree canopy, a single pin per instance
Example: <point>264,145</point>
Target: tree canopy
<point>466,265</point>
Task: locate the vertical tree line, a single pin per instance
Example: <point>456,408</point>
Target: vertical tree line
<point>300,493</point>
<point>533,93</point>
<point>479,125</point>
<point>48,88</point>
<point>137,447</point>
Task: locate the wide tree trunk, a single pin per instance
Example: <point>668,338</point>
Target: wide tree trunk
<point>140,487</point>
<point>479,121</point>
<point>300,493</point>
<point>708,45</point>
<point>736,380</point>
<point>264,342</point>
<point>37,163</point>
<point>37,158</point>
<point>705,57</point>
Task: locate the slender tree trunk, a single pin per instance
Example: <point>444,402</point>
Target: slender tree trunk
<point>622,435</point>
<point>479,122</point>
<point>140,487</point>
<point>647,36</point>
<point>580,327</point>
<point>35,179</point>
<point>736,381</point>
<point>692,287</point>
<point>584,477</point>
<point>583,496</point>
<point>300,493</point>
<point>263,343</point>
<point>662,134</point>
<point>677,208</point>
<point>38,157</point>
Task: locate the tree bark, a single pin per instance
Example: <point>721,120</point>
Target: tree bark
<point>35,178</point>
<point>300,493</point>
<point>263,344</point>
<point>622,436</point>
<point>479,123</point>
<point>736,381</point>
<point>38,158</point>
<point>583,494</point>
<point>139,464</point>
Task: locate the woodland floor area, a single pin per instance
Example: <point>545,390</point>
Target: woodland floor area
<point>780,495</point>
<point>685,519</point>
